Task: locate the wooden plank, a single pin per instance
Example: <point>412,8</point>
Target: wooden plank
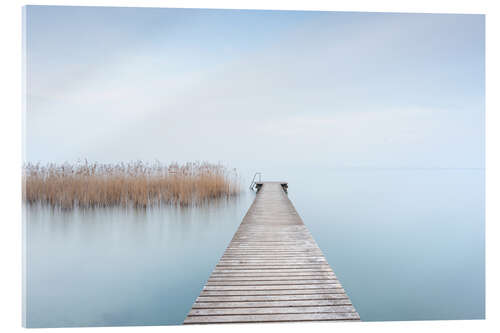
<point>273,310</point>
<point>260,318</point>
<point>276,265</point>
<point>226,282</point>
<point>266,304</point>
<point>276,287</point>
<point>272,271</point>
<point>240,298</point>
<point>271,292</point>
<point>283,262</point>
<point>273,262</point>
<point>289,245</point>
<point>274,252</point>
<point>270,277</point>
<point>274,259</point>
<point>286,269</point>
<point>260,277</point>
<point>272,267</point>
<point>269,257</point>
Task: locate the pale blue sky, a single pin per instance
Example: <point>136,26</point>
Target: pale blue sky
<point>256,90</point>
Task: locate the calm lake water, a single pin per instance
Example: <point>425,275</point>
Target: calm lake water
<point>406,245</point>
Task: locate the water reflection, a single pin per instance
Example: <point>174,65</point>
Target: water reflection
<point>116,266</point>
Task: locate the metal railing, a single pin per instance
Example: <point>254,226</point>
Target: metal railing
<point>253,184</point>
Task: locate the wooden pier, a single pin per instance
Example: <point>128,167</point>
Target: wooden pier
<point>272,271</point>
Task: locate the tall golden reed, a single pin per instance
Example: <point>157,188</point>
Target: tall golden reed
<point>135,184</point>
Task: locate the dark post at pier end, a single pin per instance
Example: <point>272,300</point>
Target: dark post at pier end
<point>284,185</point>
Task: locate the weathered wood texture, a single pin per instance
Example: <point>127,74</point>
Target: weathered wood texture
<point>272,271</point>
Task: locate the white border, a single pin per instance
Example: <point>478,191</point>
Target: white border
<point>10,139</point>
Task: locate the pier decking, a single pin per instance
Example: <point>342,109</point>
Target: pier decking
<point>272,271</point>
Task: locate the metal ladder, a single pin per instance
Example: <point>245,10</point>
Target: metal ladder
<point>254,183</point>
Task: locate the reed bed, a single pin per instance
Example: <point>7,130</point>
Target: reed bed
<point>134,184</point>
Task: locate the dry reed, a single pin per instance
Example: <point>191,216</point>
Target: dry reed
<point>127,184</point>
